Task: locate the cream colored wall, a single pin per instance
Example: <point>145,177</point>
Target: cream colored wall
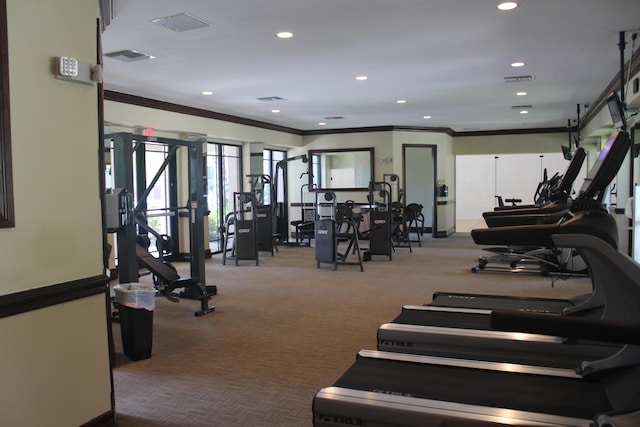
<point>510,144</point>
<point>55,361</point>
<point>55,365</point>
<point>54,144</point>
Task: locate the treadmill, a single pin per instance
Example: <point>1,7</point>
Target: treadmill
<point>587,216</point>
<point>542,213</point>
<point>398,389</point>
<point>405,390</point>
<point>464,330</point>
<point>468,333</point>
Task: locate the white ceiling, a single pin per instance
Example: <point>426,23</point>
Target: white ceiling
<point>447,59</point>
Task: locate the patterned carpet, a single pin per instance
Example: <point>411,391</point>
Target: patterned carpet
<point>284,329</point>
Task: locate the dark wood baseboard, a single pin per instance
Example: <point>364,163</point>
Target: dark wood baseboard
<point>108,419</point>
<point>46,296</point>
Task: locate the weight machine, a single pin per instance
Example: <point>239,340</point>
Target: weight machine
<point>334,225</point>
<point>279,211</point>
<point>240,229</point>
<point>266,233</point>
<point>399,229</point>
<point>133,219</point>
<point>380,220</point>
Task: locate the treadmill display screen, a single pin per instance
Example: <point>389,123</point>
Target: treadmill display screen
<point>611,158</point>
<point>616,110</point>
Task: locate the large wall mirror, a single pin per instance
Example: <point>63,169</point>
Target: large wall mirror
<point>6,183</point>
<point>341,169</point>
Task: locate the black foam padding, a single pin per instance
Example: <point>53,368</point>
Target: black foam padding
<point>535,393</point>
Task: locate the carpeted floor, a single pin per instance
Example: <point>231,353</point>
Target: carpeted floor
<point>284,329</point>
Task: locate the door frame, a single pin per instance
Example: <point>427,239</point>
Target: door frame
<point>434,157</point>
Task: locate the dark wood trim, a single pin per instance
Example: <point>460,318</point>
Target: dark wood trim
<point>46,296</point>
<point>183,109</point>
<point>448,131</point>
<point>7,218</point>
<point>108,419</point>
<point>444,234</point>
<point>191,111</point>
<point>512,132</point>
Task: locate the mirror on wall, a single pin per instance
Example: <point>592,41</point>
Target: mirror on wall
<point>341,169</point>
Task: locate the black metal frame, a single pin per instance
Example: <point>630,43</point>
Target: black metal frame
<point>7,218</point>
<point>124,145</point>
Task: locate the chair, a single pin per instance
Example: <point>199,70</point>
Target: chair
<point>414,219</point>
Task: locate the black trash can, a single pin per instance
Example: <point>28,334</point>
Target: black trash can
<point>136,304</point>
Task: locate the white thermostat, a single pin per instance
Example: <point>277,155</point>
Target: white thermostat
<point>68,67</point>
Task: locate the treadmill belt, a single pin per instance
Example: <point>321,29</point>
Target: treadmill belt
<point>569,397</point>
<point>494,302</point>
<point>444,319</point>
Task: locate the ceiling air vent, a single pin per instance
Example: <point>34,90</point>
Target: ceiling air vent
<point>521,107</point>
<point>271,98</point>
<point>181,22</point>
<point>518,79</point>
<point>128,55</point>
<point>334,118</point>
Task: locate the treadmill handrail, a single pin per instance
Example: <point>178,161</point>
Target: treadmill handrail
<point>466,363</point>
<point>565,326</point>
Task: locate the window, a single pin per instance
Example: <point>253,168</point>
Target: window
<point>6,182</point>
<point>224,177</point>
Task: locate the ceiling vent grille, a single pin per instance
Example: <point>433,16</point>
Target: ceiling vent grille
<point>271,98</point>
<point>334,118</point>
<point>181,22</point>
<point>518,79</point>
<point>128,55</point>
<point>521,107</point>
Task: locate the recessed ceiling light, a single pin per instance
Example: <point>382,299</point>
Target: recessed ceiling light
<point>401,101</point>
<point>321,123</point>
<point>517,64</point>
<point>524,112</point>
<point>275,111</point>
<point>507,5</point>
<point>207,92</point>
<point>426,117</point>
<point>361,78</point>
<point>521,93</point>
<point>284,35</point>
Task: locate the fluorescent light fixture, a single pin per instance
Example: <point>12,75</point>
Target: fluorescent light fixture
<point>181,22</point>
<point>519,79</point>
<point>517,64</point>
<point>521,93</point>
<point>284,35</point>
<point>361,78</point>
<point>128,55</point>
<point>507,5</point>
<point>207,92</point>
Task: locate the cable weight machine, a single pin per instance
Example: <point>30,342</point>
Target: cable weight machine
<point>129,153</point>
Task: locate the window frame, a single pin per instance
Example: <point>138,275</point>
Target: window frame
<point>7,219</point>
